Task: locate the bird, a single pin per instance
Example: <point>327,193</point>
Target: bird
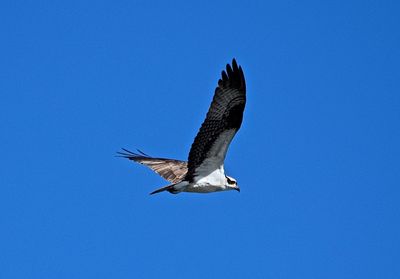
<point>204,172</point>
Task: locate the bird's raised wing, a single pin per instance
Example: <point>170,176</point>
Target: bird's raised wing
<point>223,120</point>
<point>172,170</point>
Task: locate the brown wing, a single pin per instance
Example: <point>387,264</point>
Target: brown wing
<point>170,169</point>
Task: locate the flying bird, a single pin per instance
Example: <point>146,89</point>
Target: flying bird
<point>204,171</point>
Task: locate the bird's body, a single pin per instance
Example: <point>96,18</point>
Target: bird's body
<point>204,170</point>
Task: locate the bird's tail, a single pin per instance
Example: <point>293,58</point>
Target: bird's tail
<point>169,188</point>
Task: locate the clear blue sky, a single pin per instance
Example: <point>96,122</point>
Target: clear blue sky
<point>317,157</point>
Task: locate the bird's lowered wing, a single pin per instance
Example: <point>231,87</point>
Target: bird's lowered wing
<point>172,170</point>
<point>223,120</point>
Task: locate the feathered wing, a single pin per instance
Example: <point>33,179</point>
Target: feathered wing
<point>223,120</point>
<point>170,169</point>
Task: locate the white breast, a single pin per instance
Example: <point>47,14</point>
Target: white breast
<point>215,178</point>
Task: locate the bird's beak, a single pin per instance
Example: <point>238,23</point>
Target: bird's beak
<point>237,189</point>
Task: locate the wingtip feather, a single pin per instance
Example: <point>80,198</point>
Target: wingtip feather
<point>234,64</point>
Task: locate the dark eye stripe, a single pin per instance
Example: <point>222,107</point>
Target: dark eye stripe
<point>230,181</point>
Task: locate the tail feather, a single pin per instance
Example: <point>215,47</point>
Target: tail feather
<point>169,188</point>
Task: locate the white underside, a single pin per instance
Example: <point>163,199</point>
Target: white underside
<point>213,182</point>
<point>210,176</point>
<point>203,187</point>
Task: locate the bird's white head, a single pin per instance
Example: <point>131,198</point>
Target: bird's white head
<point>231,183</point>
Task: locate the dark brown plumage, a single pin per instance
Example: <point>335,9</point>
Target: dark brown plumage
<point>225,112</point>
<point>172,170</point>
<point>205,163</point>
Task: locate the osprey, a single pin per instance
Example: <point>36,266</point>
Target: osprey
<point>204,170</point>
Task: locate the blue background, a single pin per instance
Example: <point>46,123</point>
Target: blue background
<point>317,157</point>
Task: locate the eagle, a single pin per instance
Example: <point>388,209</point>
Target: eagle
<point>204,172</point>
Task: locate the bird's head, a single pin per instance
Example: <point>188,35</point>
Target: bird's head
<point>231,183</point>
